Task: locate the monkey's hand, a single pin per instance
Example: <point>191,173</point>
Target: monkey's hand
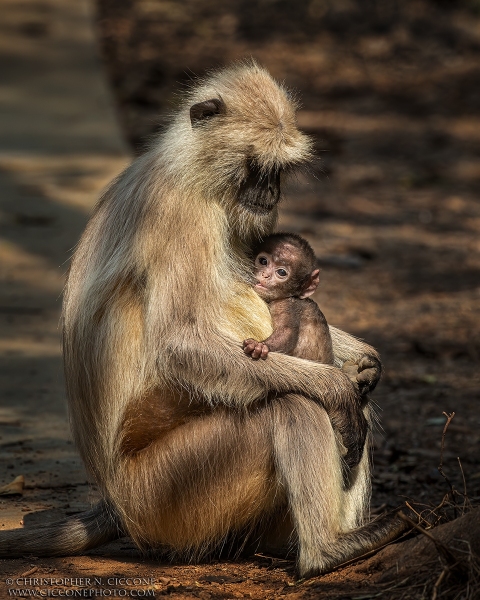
<point>369,373</point>
<point>364,357</point>
<point>351,370</point>
<point>255,349</point>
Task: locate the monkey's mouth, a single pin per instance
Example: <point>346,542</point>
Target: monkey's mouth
<point>259,193</point>
<point>262,290</point>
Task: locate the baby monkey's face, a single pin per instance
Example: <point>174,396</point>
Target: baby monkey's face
<point>275,270</point>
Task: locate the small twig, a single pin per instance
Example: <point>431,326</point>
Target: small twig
<point>449,420</point>
<point>434,511</point>
<point>273,559</point>
<point>440,466</point>
<point>438,582</point>
<point>407,503</point>
<point>465,495</point>
<point>417,513</point>
<point>442,503</point>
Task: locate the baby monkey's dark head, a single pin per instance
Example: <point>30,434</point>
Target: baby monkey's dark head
<point>285,267</point>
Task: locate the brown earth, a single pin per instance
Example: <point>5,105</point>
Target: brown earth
<point>392,95</point>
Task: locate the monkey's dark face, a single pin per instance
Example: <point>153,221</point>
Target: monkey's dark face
<point>279,272</point>
<point>259,193</point>
<point>244,139</point>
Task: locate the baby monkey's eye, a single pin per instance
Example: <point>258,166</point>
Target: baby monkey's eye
<point>281,273</point>
<point>262,260</point>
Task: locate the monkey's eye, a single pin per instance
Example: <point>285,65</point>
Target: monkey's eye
<point>262,260</point>
<point>281,273</point>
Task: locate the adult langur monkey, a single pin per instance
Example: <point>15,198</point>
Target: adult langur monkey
<point>188,439</point>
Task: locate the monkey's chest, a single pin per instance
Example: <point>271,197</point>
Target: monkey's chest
<point>246,315</point>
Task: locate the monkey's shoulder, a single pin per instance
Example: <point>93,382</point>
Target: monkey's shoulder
<point>291,308</point>
<point>314,340</point>
<point>293,304</point>
<point>308,309</point>
<point>305,312</point>
<point>310,315</point>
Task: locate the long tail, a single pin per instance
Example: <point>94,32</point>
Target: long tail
<point>352,545</point>
<point>63,538</point>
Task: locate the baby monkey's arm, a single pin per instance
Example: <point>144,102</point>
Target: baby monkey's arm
<point>286,328</point>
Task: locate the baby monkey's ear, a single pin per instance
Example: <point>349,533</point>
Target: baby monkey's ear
<point>312,284</point>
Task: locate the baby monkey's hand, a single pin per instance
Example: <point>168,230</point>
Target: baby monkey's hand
<point>255,349</point>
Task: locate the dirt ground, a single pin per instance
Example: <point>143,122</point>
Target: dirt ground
<point>392,96</point>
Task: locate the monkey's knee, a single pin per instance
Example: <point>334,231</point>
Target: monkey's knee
<point>207,478</point>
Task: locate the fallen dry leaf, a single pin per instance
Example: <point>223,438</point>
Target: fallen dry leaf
<point>15,488</point>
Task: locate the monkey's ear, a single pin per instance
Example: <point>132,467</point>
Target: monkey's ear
<point>311,284</point>
<point>204,110</point>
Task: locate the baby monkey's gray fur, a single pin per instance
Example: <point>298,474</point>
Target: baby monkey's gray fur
<point>188,439</point>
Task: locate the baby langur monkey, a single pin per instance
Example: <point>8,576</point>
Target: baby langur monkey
<point>286,275</point>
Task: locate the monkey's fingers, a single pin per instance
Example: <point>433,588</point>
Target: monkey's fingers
<point>367,362</point>
<point>249,346</point>
<point>258,351</point>
<point>367,380</point>
<point>265,351</point>
<point>369,372</point>
<point>351,370</point>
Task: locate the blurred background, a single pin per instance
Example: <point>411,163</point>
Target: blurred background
<point>390,90</point>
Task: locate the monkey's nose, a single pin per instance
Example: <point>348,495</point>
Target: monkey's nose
<point>274,184</point>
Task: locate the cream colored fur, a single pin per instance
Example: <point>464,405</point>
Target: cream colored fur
<point>189,439</point>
